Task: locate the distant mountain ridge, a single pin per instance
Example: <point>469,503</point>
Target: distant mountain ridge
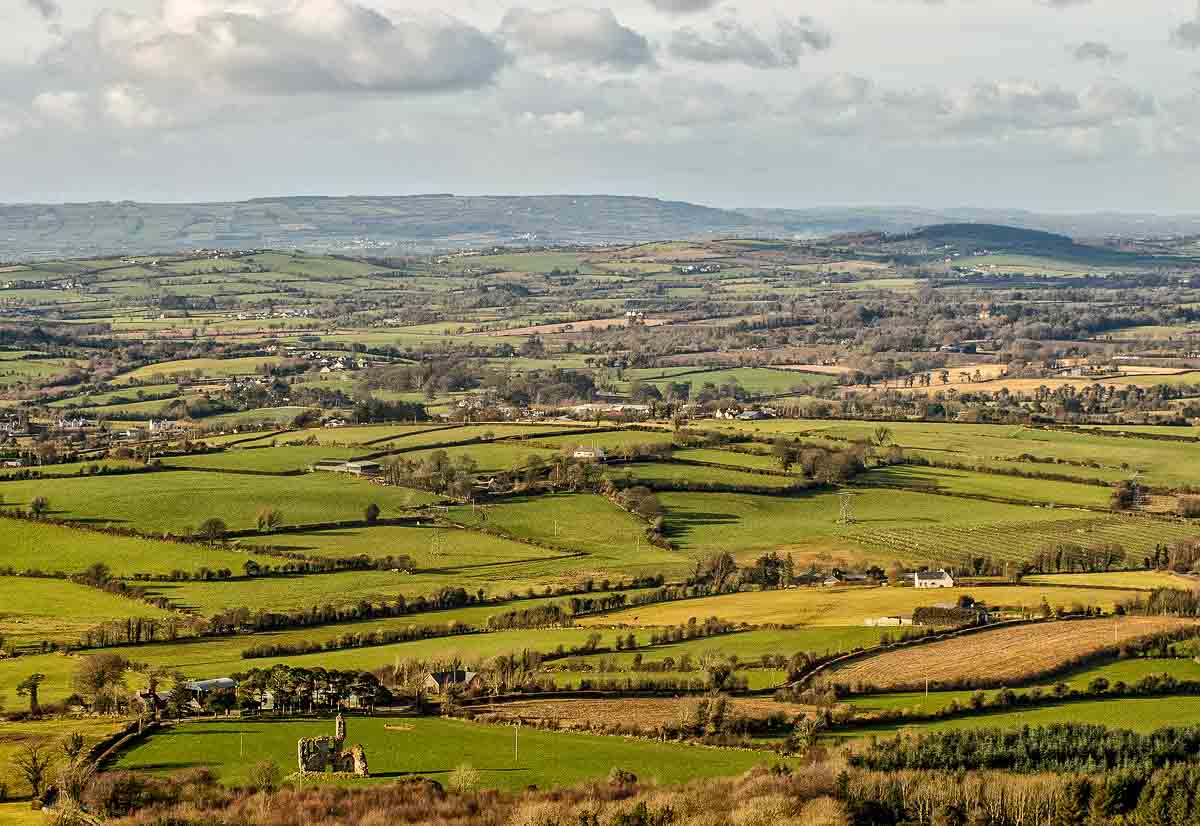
<point>424,223</point>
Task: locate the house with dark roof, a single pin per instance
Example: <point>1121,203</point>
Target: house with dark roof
<point>438,682</point>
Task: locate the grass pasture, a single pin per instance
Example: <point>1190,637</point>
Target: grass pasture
<point>444,550</point>
<point>197,367</point>
<point>667,473</point>
<point>890,525</point>
<point>32,610</point>
<point>760,381</point>
<point>1140,714</point>
<point>845,606</point>
<point>261,460</point>
<point>961,482</point>
<point>55,548</point>
<point>433,748</point>
<point>53,731</point>
<point>612,539</point>
<point>1161,462</point>
<point>175,501</point>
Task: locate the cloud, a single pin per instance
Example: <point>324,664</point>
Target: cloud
<point>1092,50</point>
<point>67,108</point>
<point>730,41</point>
<point>577,35</point>
<point>660,108</point>
<point>260,49</point>
<point>993,112</point>
<point>128,107</point>
<point>48,9</point>
<point>683,6</point>
<point>1063,4</point>
<point>1187,35</point>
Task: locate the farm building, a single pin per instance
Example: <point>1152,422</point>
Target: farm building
<point>933,579</point>
<point>887,622</point>
<point>438,682</point>
<point>353,468</point>
<point>589,454</point>
<point>834,580</point>
<point>364,468</point>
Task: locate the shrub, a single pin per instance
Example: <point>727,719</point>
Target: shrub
<point>464,778</point>
<point>1188,506</point>
<point>621,777</point>
<point>265,776</point>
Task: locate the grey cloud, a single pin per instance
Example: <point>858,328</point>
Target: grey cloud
<point>314,46</point>
<point>1063,4</point>
<point>48,9</point>
<point>1098,52</point>
<point>730,41</point>
<point>577,35</point>
<point>985,111</point>
<point>1187,35</point>
<point>683,6</point>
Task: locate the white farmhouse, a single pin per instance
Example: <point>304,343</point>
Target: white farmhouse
<point>933,579</point>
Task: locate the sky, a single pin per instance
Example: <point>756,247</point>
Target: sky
<point>1051,105</point>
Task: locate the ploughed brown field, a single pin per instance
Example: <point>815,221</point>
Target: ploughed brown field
<point>1009,655</point>
<point>644,712</point>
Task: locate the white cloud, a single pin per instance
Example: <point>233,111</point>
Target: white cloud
<point>577,35</point>
<point>66,108</point>
<point>260,48</point>
<point>683,6</point>
<point>1091,50</point>
<point>731,41</point>
<point>127,107</point>
<point>48,9</point>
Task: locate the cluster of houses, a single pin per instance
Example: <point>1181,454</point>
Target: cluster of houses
<point>920,579</point>
<point>269,314</point>
<point>734,413</point>
<point>435,683</point>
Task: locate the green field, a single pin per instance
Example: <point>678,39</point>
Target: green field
<point>178,500</point>
<point>967,483</point>
<point>612,538</point>
<point>1162,463</point>
<point>354,436</point>
<point>32,610</point>
<point>263,460</point>
<point>906,525</point>
<point>400,747</point>
<point>760,381</point>
<point>117,396</point>
<point>1141,714</point>
<point>1145,580</point>
<point>840,606</point>
<point>442,549</point>
<point>53,548</point>
<point>747,647</point>
<point>612,442</point>
<point>199,366</point>
<point>676,473</point>
<point>753,461</point>
<point>53,732</point>
<point>491,458</point>
<point>219,657</point>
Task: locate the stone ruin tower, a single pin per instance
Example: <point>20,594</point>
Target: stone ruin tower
<point>322,754</point>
